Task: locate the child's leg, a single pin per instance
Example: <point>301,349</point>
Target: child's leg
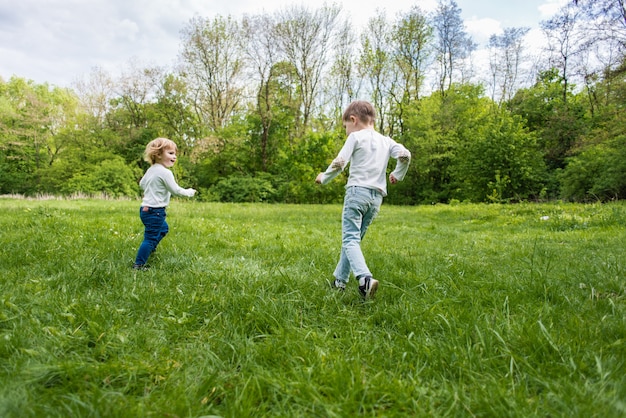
<point>371,213</point>
<point>163,232</point>
<point>342,271</point>
<point>356,209</point>
<point>153,220</point>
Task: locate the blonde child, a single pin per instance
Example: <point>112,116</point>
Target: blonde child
<point>368,153</point>
<point>158,185</point>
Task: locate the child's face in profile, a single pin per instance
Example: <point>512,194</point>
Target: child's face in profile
<point>167,157</point>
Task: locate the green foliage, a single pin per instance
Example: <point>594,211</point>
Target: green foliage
<point>223,154</point>
<point>173,115</point>
<point>111,177</point>
<point>30,117</point>
<point>596,169</point>
<point>465,148</point>
<point>300,166</point>
<point>239,189</point>
<point>276,119</point>
<point>431,151</point>
<point>597,173</point>
<point>501,162</point>
<point>15,173</point>
<point>483,310</point>
<point>547,143</point>
<point>557,116</point>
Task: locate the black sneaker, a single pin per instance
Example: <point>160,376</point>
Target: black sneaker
<point>141,267</point>
<point>369,287</point>
<point>340,286</point>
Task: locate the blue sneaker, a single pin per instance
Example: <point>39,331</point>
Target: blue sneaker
<point>369,287</point>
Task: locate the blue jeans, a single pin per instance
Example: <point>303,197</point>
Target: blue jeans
<point>155,229</point>
<point>360,207</point>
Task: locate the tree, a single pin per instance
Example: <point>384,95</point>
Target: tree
<point>135,89</point>
<point>505,58</point>
<point>173,113</point>
<point>132,116</point>
<point>558,122</point>
<point>436,132</point>
<point>453,44</point>
<point>255,107</point>
<point>31,122</point>
<point>272,135</point>
<point>564,42</point>
<point>262,55</point>
<point>376,67</point>
<point>411,39</point>
<point>596,167</point>
<point>96,92</point>
<point>212,65</point>
<point>607,20</point>
<point>604,40</point>
<point>344,83</point>
<point>502,162</point>
<point>306,39</point>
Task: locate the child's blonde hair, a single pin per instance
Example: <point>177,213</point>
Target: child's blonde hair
<point>155,148</point>
<point>362,110</point>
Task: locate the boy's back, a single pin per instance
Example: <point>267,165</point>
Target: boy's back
<point>369,158</point>
<point>368,153</point>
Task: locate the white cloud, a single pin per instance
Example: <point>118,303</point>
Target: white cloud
<point>482,29</point>
<point>549,8</point>
<point>127,30</point>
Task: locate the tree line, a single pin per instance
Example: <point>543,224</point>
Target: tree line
<point>255,106</point>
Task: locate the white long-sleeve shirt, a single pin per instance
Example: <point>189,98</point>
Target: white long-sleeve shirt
<point>368,153</point>
<point>158,184</point>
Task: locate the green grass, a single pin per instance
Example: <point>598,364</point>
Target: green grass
<point>483,310</point>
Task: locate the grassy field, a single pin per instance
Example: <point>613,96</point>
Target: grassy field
<point>482,310</point>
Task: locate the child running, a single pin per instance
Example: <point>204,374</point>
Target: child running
<point>368,153</point>
<point>158,185</point>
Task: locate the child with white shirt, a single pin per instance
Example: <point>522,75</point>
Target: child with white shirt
<point>368,153</point>
<point>158,184</point>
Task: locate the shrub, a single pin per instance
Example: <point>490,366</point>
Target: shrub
<point>597,173</point>
<point>111,177</point>
<point>240,189</point>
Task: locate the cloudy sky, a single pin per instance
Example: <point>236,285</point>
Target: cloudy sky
<point>60,41</point>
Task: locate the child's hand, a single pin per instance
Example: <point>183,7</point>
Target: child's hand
<point>193,192</point>
<point>318,179</point>
<point>392,179</point>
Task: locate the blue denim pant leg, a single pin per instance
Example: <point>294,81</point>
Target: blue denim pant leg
<point>360,207</point>
<point>155,229</point>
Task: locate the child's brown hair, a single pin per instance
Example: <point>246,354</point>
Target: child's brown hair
<point>155,149</point>
<point>362,110</point>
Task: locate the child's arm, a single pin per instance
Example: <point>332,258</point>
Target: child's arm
<point>174,188</point>
<point>338,164</point>
<point>332,171</point>
<point>403,157</point>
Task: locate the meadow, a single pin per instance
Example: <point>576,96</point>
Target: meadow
<point>482,310</point>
